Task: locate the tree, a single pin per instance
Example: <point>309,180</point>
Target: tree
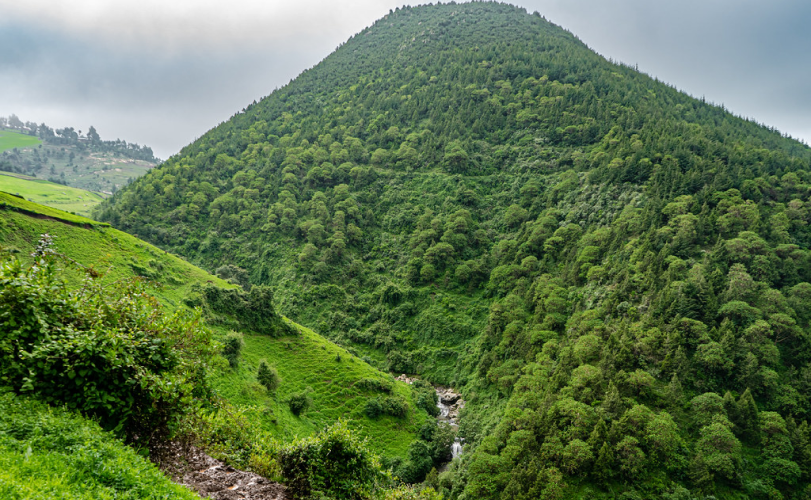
<point>92,135</point>
<point>748,416</point>
<point>14,121</point>
<point>456,158</point>
<point>718,451</point>
<point>268,376</point>
<point>232,347</point>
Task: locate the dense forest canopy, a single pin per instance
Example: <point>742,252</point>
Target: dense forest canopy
<point>615,274</point>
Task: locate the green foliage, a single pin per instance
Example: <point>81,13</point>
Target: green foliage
<point>268,376</point>
<point>614,273</point>
<point>109,352</point>
<point>232,347</point>
<point>299,402</point>
<point>48,452</point>
<point>425,397</point>
<point>304,359</point>
<point>251,310</point>
<point>333,463</point>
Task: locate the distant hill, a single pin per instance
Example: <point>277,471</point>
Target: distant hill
<point>65,156</point>
<point>616,275</point>
<point>55,195</point>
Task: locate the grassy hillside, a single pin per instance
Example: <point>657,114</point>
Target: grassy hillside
<point>337,379</point>
<point>55,195</point>
<point>48,453</point>
<point>614,273</point>
<point>10,140</point>
<point>304,360</point>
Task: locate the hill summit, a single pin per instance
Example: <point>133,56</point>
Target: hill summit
<point>614,274</point>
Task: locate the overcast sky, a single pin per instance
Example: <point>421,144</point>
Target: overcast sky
<point>162,72</point>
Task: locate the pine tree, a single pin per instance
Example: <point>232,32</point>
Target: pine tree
<point>598,435</point>
<point>675,393</point>
<point>748,415</point>
<point>604,465</point>
<point>731,407</point>
<point>612,402</point>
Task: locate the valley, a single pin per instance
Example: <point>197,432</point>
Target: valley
<point>587,283</point>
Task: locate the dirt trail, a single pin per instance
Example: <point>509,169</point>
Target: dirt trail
<point>211,478</point>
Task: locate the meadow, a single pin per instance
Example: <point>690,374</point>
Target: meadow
<point>54,195</point>
<point>11,140</point>
<point>48,452</point>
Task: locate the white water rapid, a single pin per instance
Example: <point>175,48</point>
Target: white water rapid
<point>449,404</point>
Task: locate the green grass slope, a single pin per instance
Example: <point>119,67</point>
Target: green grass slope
<point>55,195</point>
<point>305,360</point>
<point>10,140</point>
<point>48,453</point>
<point>337,380</point>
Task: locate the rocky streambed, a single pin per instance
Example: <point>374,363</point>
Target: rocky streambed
<point>450,403</point>
<point>213,479</point>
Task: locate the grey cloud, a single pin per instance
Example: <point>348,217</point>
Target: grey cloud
<point>146,87</point>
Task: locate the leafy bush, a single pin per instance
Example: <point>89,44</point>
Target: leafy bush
<point>299,402</point>
<point>333,463</point>
<point>110,352</point>
<point>373,408</point>
<point>394,406</point>
<point>389,405</point>
<point>425,397</point>
<point>268,376</point>
<point>374,384</point>
<point>251,310</point>
<point>232,348</point>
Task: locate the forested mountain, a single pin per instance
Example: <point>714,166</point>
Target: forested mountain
<point>615,274</point>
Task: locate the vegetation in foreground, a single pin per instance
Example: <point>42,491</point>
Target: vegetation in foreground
<point>615,274</point>
<point>50,452</point>
<point>113,355</point>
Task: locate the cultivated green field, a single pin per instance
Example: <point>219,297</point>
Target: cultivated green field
<point>65,198</point>
<point>11,140</point>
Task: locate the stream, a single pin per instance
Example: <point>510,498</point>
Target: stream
<point>449,404</point>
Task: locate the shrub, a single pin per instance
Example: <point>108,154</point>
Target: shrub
<point>268,376</point>
<point>394,406</point>
<point>374,384</point>
<point>109,352</point>
<point>252,310</point>
<point>299,402</point>
<point>232,348</point>
<point>373,408</point>
<point>334,463</point>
